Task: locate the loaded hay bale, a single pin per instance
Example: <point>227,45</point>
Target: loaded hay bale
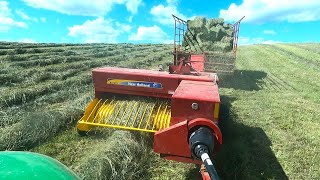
<point>215,38</point>
<point>213,35</point>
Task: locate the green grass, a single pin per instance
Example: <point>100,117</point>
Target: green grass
<point>269,114</point>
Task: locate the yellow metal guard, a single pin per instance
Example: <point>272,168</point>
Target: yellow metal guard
<point>134,113</point>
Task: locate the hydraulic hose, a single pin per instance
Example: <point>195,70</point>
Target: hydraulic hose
<point>209,166</point>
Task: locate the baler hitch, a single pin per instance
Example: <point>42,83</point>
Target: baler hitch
<point>201,143</point>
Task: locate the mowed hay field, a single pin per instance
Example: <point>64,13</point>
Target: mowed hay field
<point>269,114</point>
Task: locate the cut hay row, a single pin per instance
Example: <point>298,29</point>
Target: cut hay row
<point>14,75</point>
<point>41,124</point>
<point>32,95</point>
<point>309,87</point>
<point>301,65</point>
<point>49,60</point>
<point>313,47</point>
<point>34,75</point>
<point>27,55</point>
<point>147,61</point>
<point>287,117</point>
<point>14,114</point>
<point>14,96</point>
<point>115,158</point>
<point>105,154</point>
<point>312,57</point>
<point>16,78</point>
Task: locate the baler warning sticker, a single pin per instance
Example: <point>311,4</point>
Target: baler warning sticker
<point>125,82</point>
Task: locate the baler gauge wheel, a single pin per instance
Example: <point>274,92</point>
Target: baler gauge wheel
<point>82,133</point>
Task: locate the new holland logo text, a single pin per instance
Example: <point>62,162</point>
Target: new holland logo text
<point>125,82</point>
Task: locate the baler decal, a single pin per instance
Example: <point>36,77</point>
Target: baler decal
<point>216,110</point>
<point>125,82</point>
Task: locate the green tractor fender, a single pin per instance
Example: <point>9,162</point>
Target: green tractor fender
<point>16,165</point>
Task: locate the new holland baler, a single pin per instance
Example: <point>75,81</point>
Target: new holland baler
<point>183,112</point>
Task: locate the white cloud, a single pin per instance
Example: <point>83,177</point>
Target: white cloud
<point>43,19</point>
<point>163,14</point>
<point>6,20</point>
<point>271,42</point>
<point>152,34</point>
<point>132,5</point>
<point>261,11</point>
<point>27,40</point>
<point>124,27</point>
<point>24,16</point>
<point>270,32</point>
<point>257,40</point>
<point>96,8</point>
<point>98,30</point>
<point>130,19</point>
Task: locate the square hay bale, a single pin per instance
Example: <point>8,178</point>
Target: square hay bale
<point>212,34</point>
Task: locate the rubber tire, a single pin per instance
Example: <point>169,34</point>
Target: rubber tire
<point>82,133</point>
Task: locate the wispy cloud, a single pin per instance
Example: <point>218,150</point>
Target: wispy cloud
<point>270,32</point>
<point>6,19</point>
<point>43,19</point>
<point>27,40</point>
<point>98,30</point>
<point>262,11</point>
<point>163,13</point>
<point>84,7</point>
<point>256,40</point>
<point>154,34</point>
<point>25,16</point>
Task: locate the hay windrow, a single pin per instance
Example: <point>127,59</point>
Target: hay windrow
<point>114,159</point>
<point>38,126</point>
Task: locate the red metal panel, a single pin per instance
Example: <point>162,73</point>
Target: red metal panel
<point>169,82</point>
<point>205,94</point>
<point>173,141</point>
<point>197,62</point>
<point>182,159</point>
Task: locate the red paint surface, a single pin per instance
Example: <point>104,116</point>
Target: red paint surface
<point>205,94</point>
<point>197,62</point>
<point>169,81</point>
<point>172,142</point>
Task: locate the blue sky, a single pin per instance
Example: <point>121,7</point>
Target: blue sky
<point>146,21</point>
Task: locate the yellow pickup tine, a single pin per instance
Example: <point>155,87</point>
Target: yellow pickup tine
<point>99,114</point>
<point>148,120</point>
<point>144,112</point>
<point>107,110</point>
<point>135,117</point>
<point>99,111</point>
<point>118,112</point>
<point>94,109</point>
<point>110,113</point>
<point>129,113</point>
<point>163,119</point>
<point>156,117</point>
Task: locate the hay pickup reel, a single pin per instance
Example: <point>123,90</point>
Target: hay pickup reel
<point>182,106</point>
